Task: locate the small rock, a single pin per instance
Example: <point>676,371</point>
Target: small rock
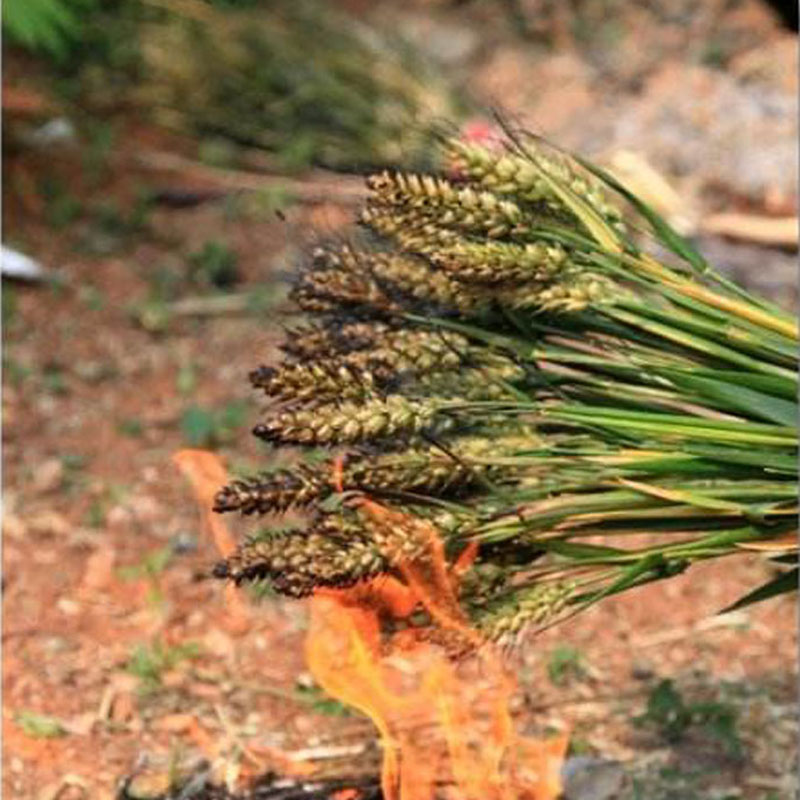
<point>57,132</point>
<point>588,778</point>
<point>183,542</point>
<point>305,680</point>
<point>48,476</point>
<point>642,670</point>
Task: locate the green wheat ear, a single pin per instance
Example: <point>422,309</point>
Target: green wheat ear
<point>503,357</point>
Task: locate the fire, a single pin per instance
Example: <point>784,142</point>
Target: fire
<point>206,473</point>
<point>439,696</point>
<point>444,721</point>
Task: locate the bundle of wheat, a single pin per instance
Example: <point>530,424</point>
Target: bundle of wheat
<point>502,355</point>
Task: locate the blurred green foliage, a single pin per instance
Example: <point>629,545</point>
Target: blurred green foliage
<point>47,26</point>
<point>566,665</point>
<point>148,663</point>
<point>39,726</point>
<point>237,74</point>
<point>673,717</point>
<point>215,264</point>
<point>209,428</point>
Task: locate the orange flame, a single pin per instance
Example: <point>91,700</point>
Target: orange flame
<point>206,474</point>
<point>443,721</point>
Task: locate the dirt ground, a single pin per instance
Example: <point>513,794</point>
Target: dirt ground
<point>120,654</point>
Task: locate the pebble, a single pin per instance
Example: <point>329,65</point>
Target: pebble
<point>183,542</point>
<point>588,778</point>
<point>58,133</point>
<point>642,670</point>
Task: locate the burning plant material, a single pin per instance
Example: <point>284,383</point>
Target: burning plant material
<point>438,695</point>
<point>499,355</point>
<point>444,721</point>
<point>527,412</point>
